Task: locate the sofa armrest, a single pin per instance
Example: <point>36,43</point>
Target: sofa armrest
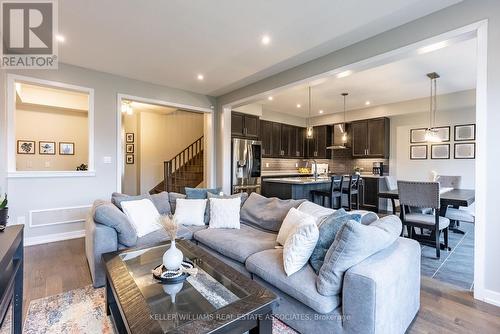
<point>382,293</point>
<point>99,239</point>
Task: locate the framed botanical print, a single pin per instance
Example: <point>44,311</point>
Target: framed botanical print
<point>47,147</point>
<point>465,132</point>
<point>25,147</point>
<point>129,159</point>
<point>418,152</point>
<point>66,148</point>
<point>129,137</point>
<point>443,133</point>
<point>465,150</point>
<point>417,135</point>
<point>440,151</point>
<point>129,148</point>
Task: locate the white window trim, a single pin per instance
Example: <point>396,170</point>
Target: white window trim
<point>11,128</point>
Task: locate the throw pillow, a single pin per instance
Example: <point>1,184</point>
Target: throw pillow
<point>354,243</point>
<point>242,196</point>
<point>315,210</point>
<point>143,215</point>
<point>291,221</point>
<point>225,212</point>
<point>108,214</point>
<point>200,193</point>
<point>172,199</point>
<point>328,228</point>
<point>299,246</point>
<point>190,211</point>
<point>117,198</point>
<point>161,201</point>
<point>266,213</point>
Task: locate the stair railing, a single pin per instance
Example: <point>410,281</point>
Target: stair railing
<point>183,158</point>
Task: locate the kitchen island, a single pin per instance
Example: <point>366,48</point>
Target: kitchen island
<point>294,187</point>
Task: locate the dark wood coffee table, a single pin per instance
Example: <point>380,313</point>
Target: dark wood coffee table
<point>217,300</point>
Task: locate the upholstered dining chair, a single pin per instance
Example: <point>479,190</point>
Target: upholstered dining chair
<point>333,195</point>
<point>455,215</point>
<point>391,184</point>
<point>423,195</point>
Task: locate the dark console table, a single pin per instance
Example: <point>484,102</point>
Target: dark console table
<point>11,275</point>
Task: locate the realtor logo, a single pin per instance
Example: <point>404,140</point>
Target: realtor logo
<point>28,34</point>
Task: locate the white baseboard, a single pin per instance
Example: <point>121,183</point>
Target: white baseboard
<point>491,297</point>
<point>44,239</point>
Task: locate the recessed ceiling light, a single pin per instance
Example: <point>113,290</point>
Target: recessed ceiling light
<point>60,38</point>
<point>270,98</point>
<point>200,77</point>
<point>344,74</point>
<point>321,111</point>
<point>367,103</point>
<point>265,40</point>
<point>298,105</point>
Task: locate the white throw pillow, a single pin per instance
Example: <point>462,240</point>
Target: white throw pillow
<point>143,215</point>
<point>225,212</point>
<point>299,246</point>
<point>190,211</point>
<point>293,218</point>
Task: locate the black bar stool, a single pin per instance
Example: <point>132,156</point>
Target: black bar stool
<point>350,188</point>
<point>334,195</point>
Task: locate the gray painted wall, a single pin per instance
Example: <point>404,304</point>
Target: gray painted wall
<point>42,193</point>
<point>454,17</point>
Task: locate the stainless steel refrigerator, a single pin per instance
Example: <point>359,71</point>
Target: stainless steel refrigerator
<point>246,165</point>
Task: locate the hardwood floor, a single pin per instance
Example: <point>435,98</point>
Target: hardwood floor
<point>62,266</point>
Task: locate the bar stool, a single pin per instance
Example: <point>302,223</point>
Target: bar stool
<point>350,188</point>
<point>332,195</point>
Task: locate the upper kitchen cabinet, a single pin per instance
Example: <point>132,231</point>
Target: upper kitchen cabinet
<point>244,125</point>
<point>281,140</point>
<point>266,130</point>
<point>370,138</point>
<point>317,146</point>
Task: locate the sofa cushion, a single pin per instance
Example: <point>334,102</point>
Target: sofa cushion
<point>108,214</point>
<point>266,213</point>
<point>237,244</point>
<point>200,193</point>
<point>354,243</point>
<point>328,228</point>
<point>118,198</point>
<point>268,265</point>
<point>172,198</point>
<point>162,202</point>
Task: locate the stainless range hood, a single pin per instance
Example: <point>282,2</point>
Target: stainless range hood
<point>339,132</point>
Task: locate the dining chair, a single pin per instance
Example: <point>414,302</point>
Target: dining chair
<point>391,184</point>
<point>333,195</point>
<point>423,195</point>
<point>455,215</point>
<point>350,188</point>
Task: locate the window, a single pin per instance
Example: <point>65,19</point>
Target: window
<point>50,128</point>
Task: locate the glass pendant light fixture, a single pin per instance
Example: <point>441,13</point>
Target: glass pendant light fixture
<point>431,133</point>
<point>309,130</point>
<point>344,126</point>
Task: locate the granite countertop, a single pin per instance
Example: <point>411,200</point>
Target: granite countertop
<point>299,180</point>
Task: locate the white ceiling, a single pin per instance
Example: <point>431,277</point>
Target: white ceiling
<point>395,82</point>
<point>170,42</point>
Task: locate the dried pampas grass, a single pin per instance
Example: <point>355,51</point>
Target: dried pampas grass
<point>170,226</point>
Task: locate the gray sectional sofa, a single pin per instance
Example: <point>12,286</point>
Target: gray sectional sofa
<point>381,294</point>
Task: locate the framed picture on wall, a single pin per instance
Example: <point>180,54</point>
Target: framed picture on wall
<point>440,151</point>
<point>418,152</point>
<point>465,150</point>
<point>66,148</point>
<point>129,137</point>
<point>129,148</point>
<point>465,132</point>
<point>129,159</point>
<point>443,133</point>
<point>25,147</point>
<point>47,147</point>
<point>417,135</point>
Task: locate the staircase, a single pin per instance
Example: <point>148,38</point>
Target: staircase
<point>184,170</point>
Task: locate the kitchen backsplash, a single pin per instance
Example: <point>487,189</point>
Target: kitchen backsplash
<point>342,162</point>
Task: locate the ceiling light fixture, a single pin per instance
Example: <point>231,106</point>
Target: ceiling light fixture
<point>299,105</point>
<point>344,74</point>
<point>270,98</point>
<point>309,129</point>
<point>367,103</point>
<point>321,111</point>
<point>200,77</point>
<point>60,38</point>
<point>431,134</point>
<point>433,47</point>
<point>344,132</point>
<point>266,40</point>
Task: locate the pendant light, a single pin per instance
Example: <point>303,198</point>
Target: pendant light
<point>431,133</point>
<point>309,131</point>
<point>344,126</point>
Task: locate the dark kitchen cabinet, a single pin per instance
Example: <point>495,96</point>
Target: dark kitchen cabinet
<point>243,125</point>
<point>266,131</point>
<point>317,146</point>
<point>297,142</point>
<point>370,138</point>
<point>276,140</point>
<point>369,189</point>
<point>282,140</point>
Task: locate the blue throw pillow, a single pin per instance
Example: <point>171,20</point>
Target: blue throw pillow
<point>200,193</point>
<point>328,229</point>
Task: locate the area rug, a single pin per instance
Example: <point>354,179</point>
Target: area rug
<point>81,311</point>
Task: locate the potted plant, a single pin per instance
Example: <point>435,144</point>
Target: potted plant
<point>4,212</point>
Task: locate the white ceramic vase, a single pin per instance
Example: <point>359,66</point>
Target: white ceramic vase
<point>172,259</point>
